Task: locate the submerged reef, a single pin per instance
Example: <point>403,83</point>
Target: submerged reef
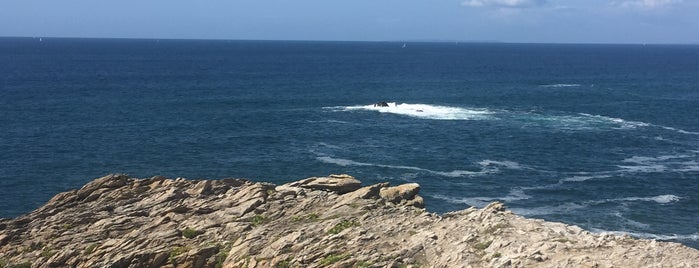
<point>333,221</point>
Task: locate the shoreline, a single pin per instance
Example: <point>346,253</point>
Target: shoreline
<point>330,221</point>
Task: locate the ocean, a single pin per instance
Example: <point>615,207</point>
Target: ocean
<point>605,137</point>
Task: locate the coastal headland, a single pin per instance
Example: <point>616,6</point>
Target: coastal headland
<point>333,221</point>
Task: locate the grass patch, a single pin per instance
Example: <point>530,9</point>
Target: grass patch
<point>190,233</point>
<point>258,220</point>
<point>3,262</point>
<point>91,248</point>
<point>177,251</point>
<point>482,245</point>
<point>333,258</point>
<point>312,217</point>
<point>497,255</point>
<point>222,254</point>
<point>344,224</point>
<point>285,263</point>
<point>47,252</point>
<point>494,228</point>
<point>362,264</point>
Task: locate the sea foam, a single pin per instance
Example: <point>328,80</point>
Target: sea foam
<point>425,111</point>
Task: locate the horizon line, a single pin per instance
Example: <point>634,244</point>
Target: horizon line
<point>356,41</point>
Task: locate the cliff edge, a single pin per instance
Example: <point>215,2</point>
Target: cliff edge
<point>118,221</point>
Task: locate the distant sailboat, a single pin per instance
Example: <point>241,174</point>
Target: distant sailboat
<point>403,45</point>
<point>41,40</point>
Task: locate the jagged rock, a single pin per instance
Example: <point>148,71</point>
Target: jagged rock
<point>340,184</point>
<point>406,193</point>
<point>117,221</point>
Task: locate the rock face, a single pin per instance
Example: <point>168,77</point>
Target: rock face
<point>117,221</point>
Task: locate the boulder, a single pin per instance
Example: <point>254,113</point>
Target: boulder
<point>340,184</point>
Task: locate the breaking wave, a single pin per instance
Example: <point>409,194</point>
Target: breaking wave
<point>487,167</point>
<point>424,111</point>
<point>561,85</point>
<point>662,237</point>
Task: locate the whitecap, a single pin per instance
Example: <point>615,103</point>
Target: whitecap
<point>583,178</point>
<point>424,111</point>
<point>507,164</point>
<point>454,173</point>
<point>623,124</point>
<point>644,169</point>
<point>647,159</point>
<point>561,85</point>
<point>692,237</point>
<point>548,210</point>
<point>680,130</point>
<point>660,199</point>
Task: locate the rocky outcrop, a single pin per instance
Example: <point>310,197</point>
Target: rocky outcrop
<point>118,221</point>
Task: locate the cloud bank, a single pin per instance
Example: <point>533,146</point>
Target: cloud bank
<point>506,3</point>
<point>647,4</point>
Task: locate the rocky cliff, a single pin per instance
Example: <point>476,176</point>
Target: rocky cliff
<point>118,221</point>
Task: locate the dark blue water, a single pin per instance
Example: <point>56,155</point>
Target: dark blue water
<point>602,136</point>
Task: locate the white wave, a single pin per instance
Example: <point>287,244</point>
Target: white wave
<point>689,166</point>
<point>471,201</point>
<point>692,237</point>
<point>330,146</point>
<point>548,210</point>
<point>662,163</point>
<point>583,178</point>
<point>646,159</point>
<point>482,201</point>
<point>631,222</point>
<point>660,199</point>
<point>680,130</point>
<point>453,174</point>
<point>507,164</point>
<point>644,169</point>
<point>567,207</point>
<point>425,111</point>
<point>624,124</point>
<point>561,85</point>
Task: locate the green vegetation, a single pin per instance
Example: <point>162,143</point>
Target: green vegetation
<point>36,246</point>
<point>483,245</point>
<point>497,255</point>
<point>258,220</point>
<point>333,258</point>
<point>190,233</point>
<point>47,252</point>
<point>362,264</point>
<point>496,227</point>
<point>176,251</point>
<point>3,262</point>
<point>222,254</point>
<point>312,217</point>
<point>91,248</point>
<point>344,224</point>
<point>66,226</point>
<point>285,263</point>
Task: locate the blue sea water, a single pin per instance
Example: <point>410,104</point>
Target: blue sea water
<point>605,137</point>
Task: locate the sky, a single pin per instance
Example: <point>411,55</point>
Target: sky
<point>520,21</point>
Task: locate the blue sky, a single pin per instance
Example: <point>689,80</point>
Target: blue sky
<point>540,21</point>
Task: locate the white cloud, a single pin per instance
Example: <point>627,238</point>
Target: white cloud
<point>505,3</point>
<point>647,4</point>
